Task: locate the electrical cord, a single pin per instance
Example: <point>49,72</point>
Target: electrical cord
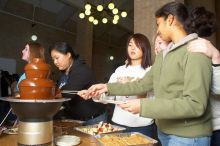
<point>6,116</point>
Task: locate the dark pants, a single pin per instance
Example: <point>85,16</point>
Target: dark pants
<point>215,139</point>
<point>146,130</point>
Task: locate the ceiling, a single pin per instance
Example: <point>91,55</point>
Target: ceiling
<point>64,15</point>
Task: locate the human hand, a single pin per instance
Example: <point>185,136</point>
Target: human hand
<point>96,90</point>
<point>17,95</point>
<point>132,106</point>
<point>204,46</point>
<point>84,94</point>
<point>58,93</point>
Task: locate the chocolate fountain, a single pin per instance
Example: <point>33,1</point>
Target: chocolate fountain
<point>36,106</point>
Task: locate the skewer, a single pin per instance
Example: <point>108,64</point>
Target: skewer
<point>69,91</point>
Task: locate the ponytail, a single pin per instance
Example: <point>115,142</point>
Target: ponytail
<point>198,20</point>
<point>201,21</point>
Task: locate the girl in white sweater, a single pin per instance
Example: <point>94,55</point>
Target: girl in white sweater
<point>138,63</point>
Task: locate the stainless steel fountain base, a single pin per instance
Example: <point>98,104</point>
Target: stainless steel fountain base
<point>35,133</point>
<point>35,120</point>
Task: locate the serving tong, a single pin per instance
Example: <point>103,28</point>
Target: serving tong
<point>69,91</point>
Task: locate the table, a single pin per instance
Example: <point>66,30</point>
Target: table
<point>67,127</point>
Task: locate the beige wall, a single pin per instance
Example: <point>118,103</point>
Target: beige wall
<point>144,19</point>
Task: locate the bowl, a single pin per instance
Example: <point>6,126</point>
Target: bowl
<point>37,88</point>
<point>67,140</point>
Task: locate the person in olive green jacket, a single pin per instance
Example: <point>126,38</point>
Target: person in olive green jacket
<point>180,80</point>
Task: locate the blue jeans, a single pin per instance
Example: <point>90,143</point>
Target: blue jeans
<point>215,139</point>
<point>146,130</point>
<point>103,117</point>
<point>173,140</point>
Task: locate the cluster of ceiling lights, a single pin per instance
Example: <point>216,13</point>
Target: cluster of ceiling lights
<point>102,13</point>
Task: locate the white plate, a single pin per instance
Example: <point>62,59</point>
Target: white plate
<point>67,140</point>
<point>110,101</point>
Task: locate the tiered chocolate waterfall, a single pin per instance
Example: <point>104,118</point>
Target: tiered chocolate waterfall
<point>37,84</point>
<point>36,106</point>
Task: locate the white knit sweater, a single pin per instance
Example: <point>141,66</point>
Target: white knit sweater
<point>120,116</point>
<point>215,101</point>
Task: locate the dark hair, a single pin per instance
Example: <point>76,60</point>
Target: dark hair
<point>174,8</point>
<point>15,77</point>
<point>198,20</point>
<point>201,22</point>
<point>64,48</point>
<point>36,50</point>
<point>142,42</point>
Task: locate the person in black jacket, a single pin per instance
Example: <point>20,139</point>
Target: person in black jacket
<point>75,75</point>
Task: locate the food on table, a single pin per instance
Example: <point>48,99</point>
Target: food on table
<point>133,139</point>
<point>99,128</point>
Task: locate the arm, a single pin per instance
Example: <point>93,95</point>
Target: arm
<point>79,79</point>
<point>204,46</point>
<point>216,80</point>
<point>132,88</point>
<point>191,101</point>
<point>22,77</point>
<point>96,90</point>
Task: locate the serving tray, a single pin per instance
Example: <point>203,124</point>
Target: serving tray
<point>125,139</point>
<point>97,129</point>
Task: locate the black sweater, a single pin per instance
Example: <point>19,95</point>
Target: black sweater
<point>80,77</point>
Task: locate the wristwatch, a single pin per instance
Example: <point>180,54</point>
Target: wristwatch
<point>215,65</point>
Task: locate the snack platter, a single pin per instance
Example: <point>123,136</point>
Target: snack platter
<point>125,139</point>
<point>100,128</point>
